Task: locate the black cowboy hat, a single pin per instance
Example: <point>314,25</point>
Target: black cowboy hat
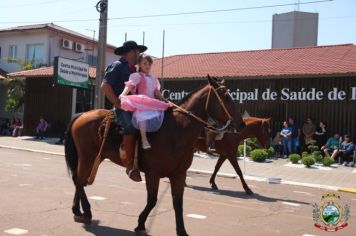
<point>127,46</point>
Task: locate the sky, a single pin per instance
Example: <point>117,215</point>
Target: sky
<point>236,25</point>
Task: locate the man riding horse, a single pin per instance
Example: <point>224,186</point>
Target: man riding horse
<point>112,86</point>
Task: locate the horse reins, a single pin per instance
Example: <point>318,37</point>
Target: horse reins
<point>209,126</point>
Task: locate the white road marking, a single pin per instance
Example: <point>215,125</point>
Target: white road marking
<point>354,171</point>
<point>353,199</point>
<point>97,198</point>
<point>25,185</point>
<point>290,203</point>
<point>16,231</point>
<point>46,158</point>
<point>189,177</point>
<point>144,182</point>
<point>196,216</point>
<point>309,235</point>
<point>127,203</point>
<point>14,175</point>
<point>23,164</point>
<point>305,193</point>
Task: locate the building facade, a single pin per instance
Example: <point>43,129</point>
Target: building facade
<point>39,44</point>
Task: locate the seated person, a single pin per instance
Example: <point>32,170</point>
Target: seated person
<point>346,150</point>
<point>15,126</point>
<point>5,128</point>
<point>331,147</point>
<point>41,128</point>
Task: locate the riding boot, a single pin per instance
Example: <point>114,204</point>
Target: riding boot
<point>129,146</point>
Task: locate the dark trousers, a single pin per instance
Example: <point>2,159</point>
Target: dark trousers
<point>40,134</point>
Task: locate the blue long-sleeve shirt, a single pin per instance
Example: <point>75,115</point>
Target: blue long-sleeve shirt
<point>347,147</point>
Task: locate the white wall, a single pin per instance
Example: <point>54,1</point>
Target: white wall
<point>52,47</point>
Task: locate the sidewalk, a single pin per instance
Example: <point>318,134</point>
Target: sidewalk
<point>338,178</point>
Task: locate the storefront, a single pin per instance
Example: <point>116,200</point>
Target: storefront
<point>316,82</point>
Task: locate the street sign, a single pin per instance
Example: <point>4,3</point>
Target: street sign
<point>71,73</point>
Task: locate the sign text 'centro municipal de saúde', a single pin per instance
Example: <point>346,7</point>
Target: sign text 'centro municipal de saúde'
<point>285,94</point>
<point>71,73</point>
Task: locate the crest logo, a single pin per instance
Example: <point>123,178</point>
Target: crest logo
<point>331,216</point>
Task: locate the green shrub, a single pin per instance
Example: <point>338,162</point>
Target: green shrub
<point>258,155</point>
<point>354,165</point>
<point>308,160</point>
<point>317,156</point>
<point>252,142</point>
<point>327,161</point>
<point>294,158</point>
<point>313,148</point>
<point>270,151</point>
<point>241,150</point>
<point>305,154</point>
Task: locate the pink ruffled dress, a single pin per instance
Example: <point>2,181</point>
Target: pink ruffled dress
<point>145,107</point>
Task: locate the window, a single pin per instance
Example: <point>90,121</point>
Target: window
<point>35,54</point>
<point>12,53</point>
<point>91,60</point>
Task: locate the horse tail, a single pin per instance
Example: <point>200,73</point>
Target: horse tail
<point>70,150</point>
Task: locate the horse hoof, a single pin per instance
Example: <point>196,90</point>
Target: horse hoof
<point>82,219</point>
<point>141,233</point>
<point>248,191</point>
<point>214,186</point>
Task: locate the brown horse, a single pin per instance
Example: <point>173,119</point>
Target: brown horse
<point>170,156</point>
<point>227,146</point>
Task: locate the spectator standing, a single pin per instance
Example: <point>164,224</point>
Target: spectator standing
<point>295,134</point>
<point>277,145</point>
<point>321,134</point>
<point>308,131</point>
<point>332,145</point>
<point>41,128</point>
<point>286,134</point>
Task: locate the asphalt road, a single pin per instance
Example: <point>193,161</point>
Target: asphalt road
<point>36,197</point>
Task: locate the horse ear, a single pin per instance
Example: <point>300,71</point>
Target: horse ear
<point>212,81</point>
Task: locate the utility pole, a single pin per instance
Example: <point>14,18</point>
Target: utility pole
<point>102,8</point>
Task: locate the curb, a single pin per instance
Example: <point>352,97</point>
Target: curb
<point>225,175</point>
<point>277,181</point>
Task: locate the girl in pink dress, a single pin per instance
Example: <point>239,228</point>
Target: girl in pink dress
<point>148,112</point>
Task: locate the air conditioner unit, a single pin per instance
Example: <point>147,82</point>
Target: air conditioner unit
<point>78,47</point>
<point>67,44</point>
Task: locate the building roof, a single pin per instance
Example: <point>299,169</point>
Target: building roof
<point>44,72</point>
<point>289,62</point>
<point>333,60</point>
<point>50,26</point>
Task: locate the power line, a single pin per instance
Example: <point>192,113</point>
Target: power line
<point>215,11</point>
<point>33,4</point>
<point>174,14</point>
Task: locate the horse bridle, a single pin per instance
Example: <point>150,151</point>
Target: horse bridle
<point>207,124</point>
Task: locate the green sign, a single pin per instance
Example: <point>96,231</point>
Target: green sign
<point>71,73</point>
